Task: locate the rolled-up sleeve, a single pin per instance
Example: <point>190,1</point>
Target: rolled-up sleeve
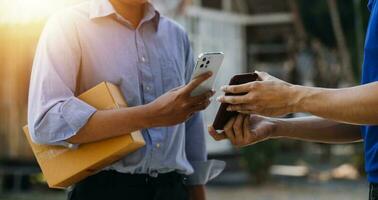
<point>54,113</point>
<point>204,169</point>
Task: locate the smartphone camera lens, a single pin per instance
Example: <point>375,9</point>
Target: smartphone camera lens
<point>208,62</point>
<point>204,59</point>
<point>206,66</point>
<point>201,66</point>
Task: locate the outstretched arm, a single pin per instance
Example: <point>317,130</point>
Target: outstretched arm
<point>355,105</point>
<point>273,97</point>
<point>315,129</point>
<point>246,130</point>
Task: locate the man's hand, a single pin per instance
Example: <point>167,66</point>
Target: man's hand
<point>247,130</point>
<point>177,105</point>
<point>269,97</point>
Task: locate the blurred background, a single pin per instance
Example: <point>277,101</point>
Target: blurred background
<point>309,42</point>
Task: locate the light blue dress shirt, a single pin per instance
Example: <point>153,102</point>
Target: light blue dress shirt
<point>145,63</point>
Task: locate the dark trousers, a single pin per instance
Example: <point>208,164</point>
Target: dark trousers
<point>111,185</point>
<point>373,191</point>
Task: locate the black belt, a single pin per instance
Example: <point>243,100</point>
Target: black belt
<point>137,179</point>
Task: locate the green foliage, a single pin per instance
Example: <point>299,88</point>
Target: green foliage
<point>258,158</point>
<point>317,22</point>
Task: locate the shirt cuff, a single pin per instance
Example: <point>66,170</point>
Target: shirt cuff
<point>205,171</point>
<point>76,113</point>
<point>62,122</point>
<point>83,112</point>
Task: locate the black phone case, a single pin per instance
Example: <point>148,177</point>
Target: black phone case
<point>223,116</point>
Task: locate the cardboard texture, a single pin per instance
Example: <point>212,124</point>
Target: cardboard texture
<point>63,167</point>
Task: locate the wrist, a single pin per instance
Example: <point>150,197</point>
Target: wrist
<point>150,116</point>
<point>301,94</point>
<point>283,129</point>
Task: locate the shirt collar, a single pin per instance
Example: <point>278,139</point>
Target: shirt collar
<point>100,8</point>
<point>103,8</point>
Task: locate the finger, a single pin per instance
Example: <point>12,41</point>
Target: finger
<point>241,108</point>
<point>246,129</point>
<point>233,99</point>
<point>201,106</point>
<point>263,76</point>
<point>269,112</point>
<point>196,82</point>
<point>176,88</point>
<point>236,89</point>
<point>211,129</point>
<point>245,112</point>
<point>229,131</point>
<point>201,98</point>
<point>238,129</point>
<point>217,136</point>
<point>252,109</point>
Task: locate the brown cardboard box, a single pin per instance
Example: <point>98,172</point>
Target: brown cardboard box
<point>63,167</point>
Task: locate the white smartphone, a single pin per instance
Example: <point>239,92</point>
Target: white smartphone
<point>211,61</point>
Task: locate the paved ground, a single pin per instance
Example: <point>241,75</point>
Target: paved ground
<point>278,190</point>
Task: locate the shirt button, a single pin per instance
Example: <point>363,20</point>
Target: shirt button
<point>143,59</point>
<point>148,88</point>
<point>158,145</point>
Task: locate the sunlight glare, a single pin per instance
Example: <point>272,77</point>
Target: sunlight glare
<point>26,11</point>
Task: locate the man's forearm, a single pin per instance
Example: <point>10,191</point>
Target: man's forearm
<point>315,129</point>
<point>105,124</point>
<point>171,108</point>
<point>356,105</point>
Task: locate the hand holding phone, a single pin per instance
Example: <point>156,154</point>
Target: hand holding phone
<point>207,62</point>
<point>176,106</point>
<point>223,116</point>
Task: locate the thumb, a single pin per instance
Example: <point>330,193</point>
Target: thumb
<point>196,82</point>
<point>263,76</point>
